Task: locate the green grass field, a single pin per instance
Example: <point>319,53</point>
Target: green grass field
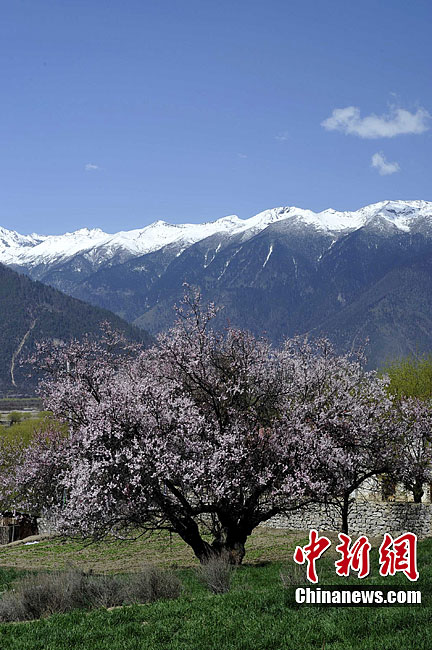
<point>258,612</point>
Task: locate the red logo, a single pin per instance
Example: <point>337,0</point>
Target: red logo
<point>399,554</point>
<point>356,557</point>
<point>311,552</point>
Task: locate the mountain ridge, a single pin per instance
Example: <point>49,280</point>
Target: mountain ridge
<point>285,271</point>
<point>30,250</point>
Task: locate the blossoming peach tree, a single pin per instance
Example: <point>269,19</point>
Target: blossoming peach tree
<point>206,434</point>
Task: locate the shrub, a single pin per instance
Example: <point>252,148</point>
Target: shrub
<point>44,594</point>
<point>150,584</point>
<point>105,591</point>
<point>41,595</point>
<point>14,417</point>
<point>216,573</point>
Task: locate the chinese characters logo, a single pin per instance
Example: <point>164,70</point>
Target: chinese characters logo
<point>395,555</point>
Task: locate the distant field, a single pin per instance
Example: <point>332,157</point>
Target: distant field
<point>21,426</point>
<point>20,404</point>
<point>257,614</point>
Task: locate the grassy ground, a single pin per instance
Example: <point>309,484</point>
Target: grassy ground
<point>127,556</point>
<point>258,613</point>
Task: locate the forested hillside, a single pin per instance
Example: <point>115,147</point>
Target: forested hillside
<point>31,311</point>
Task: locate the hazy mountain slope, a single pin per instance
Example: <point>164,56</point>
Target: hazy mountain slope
<point>261,282</point>
<point>31,311</point>
<point>395,315</point>
<point>374,282</point>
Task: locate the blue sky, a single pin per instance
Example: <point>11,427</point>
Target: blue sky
<point>115,113</point>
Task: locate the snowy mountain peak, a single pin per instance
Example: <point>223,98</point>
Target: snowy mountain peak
<point>159,223</point>
<point>10,239</point>
<point>97,246</point>
<point>85,232</point>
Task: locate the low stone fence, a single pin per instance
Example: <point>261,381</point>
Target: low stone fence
<point>368,517</point>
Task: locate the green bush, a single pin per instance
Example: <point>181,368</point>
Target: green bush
<point>15,416</point>
<point>410,377</point>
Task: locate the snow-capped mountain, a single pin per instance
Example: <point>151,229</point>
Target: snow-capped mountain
<point>350,275</point>
<point>98,247</point>
<point>11,240</point>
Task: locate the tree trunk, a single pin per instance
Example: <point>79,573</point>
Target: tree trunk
<point>188,530</point>
<point>417,491</point>
<point>230,533</point>
<point>345,510</point>
<point>234,551</point>
<point>230,543</point>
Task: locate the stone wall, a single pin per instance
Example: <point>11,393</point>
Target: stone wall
<point>47,524</point>
<point>368,517</point>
